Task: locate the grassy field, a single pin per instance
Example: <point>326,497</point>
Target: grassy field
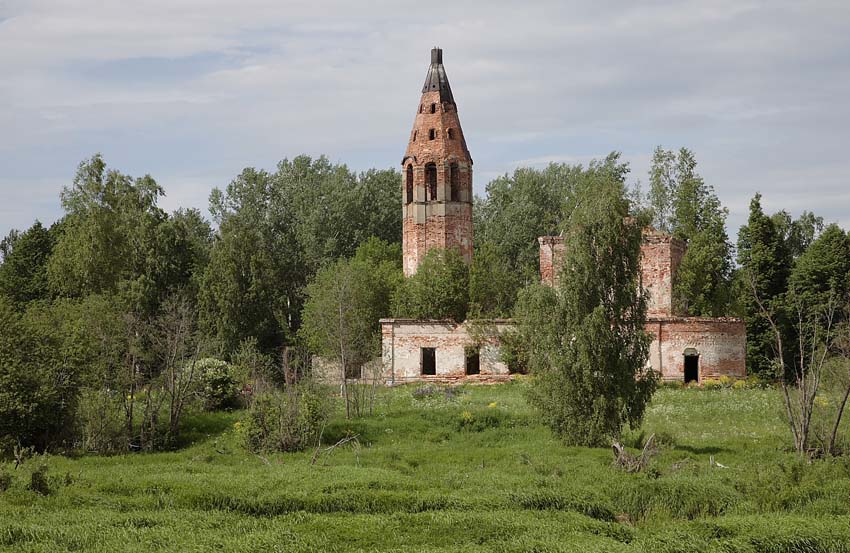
<point>471,472</point>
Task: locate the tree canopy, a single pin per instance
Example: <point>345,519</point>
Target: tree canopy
<point>585,341</point>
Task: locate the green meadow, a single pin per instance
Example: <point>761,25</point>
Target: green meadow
<point>469,469</point>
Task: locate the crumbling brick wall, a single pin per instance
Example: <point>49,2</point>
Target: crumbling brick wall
<point>720,344</point>
<point>551,257</point>
<point>661,255</point>
<point>402,341</point>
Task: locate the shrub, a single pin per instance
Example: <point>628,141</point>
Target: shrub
<point>100,422</point>
<point>286,421</point>
<point>219,387</point>
<point>5,479</point>
<point>38,480</point>
<point>480,420</point>
<point>712,384</point>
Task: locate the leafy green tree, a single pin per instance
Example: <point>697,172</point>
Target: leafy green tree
<point>822,271</point>
<point>185,241</point>
<point>521,207</point>
<point>8,243</point>
<point>116,240</point>
<point>798,233</point>
<point>438,290</point>
<point>41,359</point>
<point>340,320</point>
<point>110,225</point>
<point>384,260</point>
<point>589,345</point>
<point>493,283</point>
<point>335,210</point>
<point>23,274</point>
<point>251,286</point>
<point>275,231</point>
<point>681,203</point>
<point>765,262</point>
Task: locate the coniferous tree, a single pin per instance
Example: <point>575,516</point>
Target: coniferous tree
<point>823,269</point>
<point>23,273</point>
<point>766,263</point>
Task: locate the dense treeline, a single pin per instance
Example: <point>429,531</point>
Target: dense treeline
<point>119,317</point>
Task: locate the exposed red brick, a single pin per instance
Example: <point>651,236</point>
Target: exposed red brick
<point>551,257</point>
<point>403,339</point>
<point>720,344</point>
<point>661,255</point>
<point>439,222</point>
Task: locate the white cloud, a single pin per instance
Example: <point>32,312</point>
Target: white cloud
<point>190,91</point>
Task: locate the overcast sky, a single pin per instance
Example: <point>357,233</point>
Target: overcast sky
<point>192,91</point>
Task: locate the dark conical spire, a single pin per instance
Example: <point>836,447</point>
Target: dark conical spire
<point>436,79</point>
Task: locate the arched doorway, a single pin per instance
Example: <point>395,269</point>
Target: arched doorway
<point>691,365</point>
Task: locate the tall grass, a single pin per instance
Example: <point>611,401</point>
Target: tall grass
<point>467,471</point>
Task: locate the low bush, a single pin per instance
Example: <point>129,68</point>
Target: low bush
<point>219,386</point>
<point>38,480</point>
<point>286,421</point>
<point>100,422</point>
<point>479,420</point>
<point>5,479</point>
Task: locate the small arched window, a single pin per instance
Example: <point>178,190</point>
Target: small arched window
<point>454,177</point>
<point>431,181</point>
<point>451,133</point>
<point>409,184</point>
<point>433,108</point>
<point>432,134</point>
<point>414,135</point>
<point>421,108</point>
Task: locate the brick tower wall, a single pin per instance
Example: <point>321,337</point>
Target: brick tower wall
<point>661,255</point>
<point>440,222</point>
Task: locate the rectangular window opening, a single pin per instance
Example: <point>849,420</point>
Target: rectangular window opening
<point>429,361</point>
<point>473,360</point>
<point>353,372</point>
<point>691,368</point>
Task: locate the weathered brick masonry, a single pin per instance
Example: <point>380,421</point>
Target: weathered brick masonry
<point>661,255</point>
<point>437,175</point>
<point>437,204</point>
<point>551,255</point>
<point>709,347</point>
<point>718,346</point>
<point>458,355</point>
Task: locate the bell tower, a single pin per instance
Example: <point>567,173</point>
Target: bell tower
<point>437,175</point>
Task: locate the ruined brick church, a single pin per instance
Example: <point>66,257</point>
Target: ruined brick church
<point>437,202</point>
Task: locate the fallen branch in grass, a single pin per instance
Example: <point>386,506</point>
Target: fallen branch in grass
<point>348,439</point>
<point>264,460</point>
<point>714,463</point>
<point>630,463</point>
